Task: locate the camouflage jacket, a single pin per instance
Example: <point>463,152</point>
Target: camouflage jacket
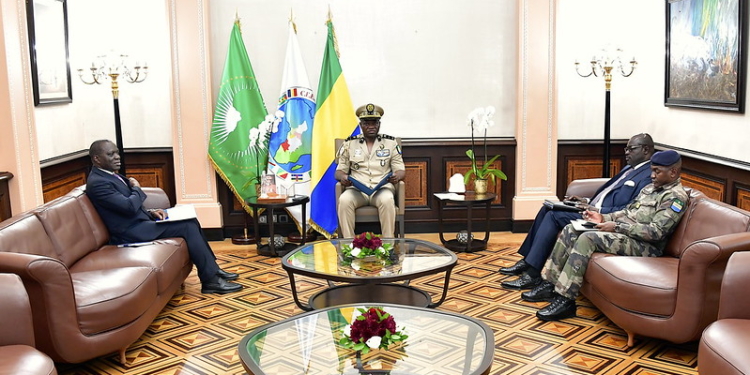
<point>653,215</point>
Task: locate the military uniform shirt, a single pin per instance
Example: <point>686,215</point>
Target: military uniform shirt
<point>653,215</point>
<point>370,167</point>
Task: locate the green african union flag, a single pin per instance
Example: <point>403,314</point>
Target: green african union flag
<point>238,148</point>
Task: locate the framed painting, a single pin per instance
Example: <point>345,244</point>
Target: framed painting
<point>705,59</point>
<point>48,43</point>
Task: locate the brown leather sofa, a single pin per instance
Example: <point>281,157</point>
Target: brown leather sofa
<point>723,345</point>
<point>675,296</point>
<point>17,352</point>
<point>88,298</point>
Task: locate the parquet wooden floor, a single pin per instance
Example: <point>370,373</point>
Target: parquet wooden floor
<point>199,334</point>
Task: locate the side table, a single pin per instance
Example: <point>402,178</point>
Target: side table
<point>468,200</point>
<point>269,248</point>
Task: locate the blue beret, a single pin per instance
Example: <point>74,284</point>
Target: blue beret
<point>665,158</point>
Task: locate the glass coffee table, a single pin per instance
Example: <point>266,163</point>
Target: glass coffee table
<point>369,281</point>
<point>439,343</point>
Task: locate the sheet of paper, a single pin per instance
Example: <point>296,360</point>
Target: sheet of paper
<point>450,196</point>
<point>181,212</point>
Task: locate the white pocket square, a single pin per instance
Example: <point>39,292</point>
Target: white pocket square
<point>629,183</point>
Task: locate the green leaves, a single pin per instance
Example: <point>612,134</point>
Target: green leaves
<point>486,171</point>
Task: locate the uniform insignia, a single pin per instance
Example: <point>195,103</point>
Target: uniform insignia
<point>677,205</point>
<point>358,152</point>
<point>382,162</point>
<point>637,204</point>
<point>355,166</point>
<point>398,149</point>
<point>383,153</point>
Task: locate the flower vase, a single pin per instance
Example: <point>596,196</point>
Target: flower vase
<point>480,186</point>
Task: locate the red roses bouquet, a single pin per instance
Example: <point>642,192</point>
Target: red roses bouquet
<point>374,328</point>
<point>367,244</point>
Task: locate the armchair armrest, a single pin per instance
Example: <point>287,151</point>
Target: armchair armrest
<point>16,324</point>
<point>401,198</point>
<point>585,187</point>
<point>155,198</point>
<point>733,303</point>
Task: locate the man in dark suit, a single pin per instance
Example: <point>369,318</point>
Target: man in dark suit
<point>119,202</point>
<point>612,196</point>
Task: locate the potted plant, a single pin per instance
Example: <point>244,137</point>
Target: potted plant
<point>480,119</point>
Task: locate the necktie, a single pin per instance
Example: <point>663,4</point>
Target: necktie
<point>122,179</point>
<point>600,197</point>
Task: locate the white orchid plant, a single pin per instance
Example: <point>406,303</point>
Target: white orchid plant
<point>259,137</point>
<point>480,119</point>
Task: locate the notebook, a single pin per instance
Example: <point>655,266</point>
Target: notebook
<point>181,212</point>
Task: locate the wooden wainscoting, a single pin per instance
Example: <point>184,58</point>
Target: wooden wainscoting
<point>151,167</point>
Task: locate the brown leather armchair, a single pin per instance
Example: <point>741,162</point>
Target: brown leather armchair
<point>675,296</point>
<point>723,345</point>
<point>369,214</point>
<point>17,352</point>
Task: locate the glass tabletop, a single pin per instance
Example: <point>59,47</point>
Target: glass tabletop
<point>409,258</point>
<point>438,342</point>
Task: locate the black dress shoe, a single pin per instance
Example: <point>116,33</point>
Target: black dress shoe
<point>227,275</point>
<point>560,308</point>
<point>545,291</point>
<point>515,269</point>
<point>523,282</point>
<point>221,286</point>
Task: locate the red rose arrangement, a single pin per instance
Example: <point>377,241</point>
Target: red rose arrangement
<point>374,328</point>
<point>366,244</point>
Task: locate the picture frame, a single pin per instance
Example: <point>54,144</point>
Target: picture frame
<point>705,60</point>
<point>48,42</point>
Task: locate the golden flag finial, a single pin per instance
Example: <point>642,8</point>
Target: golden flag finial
<point>237,19</point>
<point>291,20</point>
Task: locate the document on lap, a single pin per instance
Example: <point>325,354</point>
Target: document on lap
<point>181,212</point>
<point>583,225</point>
<point>363,188</point>
<point>562,206</point>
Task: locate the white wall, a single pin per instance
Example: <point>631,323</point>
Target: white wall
<point>134,27</point>
<point>428,63</point>
<point>637,105</point>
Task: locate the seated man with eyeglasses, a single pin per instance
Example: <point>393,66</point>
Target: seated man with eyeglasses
<point>612,196</point>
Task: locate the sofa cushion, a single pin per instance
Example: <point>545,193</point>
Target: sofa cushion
<point>22,359</point>
<point>706,218</point>
<point>108,299</point>
<point>98,229</point>
<point>168,257</point>
<point>646,285</point>
<point>723,348</point>
<point>67,228</point>
<point>25,234</point>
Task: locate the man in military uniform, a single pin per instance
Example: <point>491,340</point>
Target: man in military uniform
<point>641,229</point>
<point>369,165</point>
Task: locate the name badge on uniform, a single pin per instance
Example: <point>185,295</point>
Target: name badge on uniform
<point>358,152</point>
<point>383,153</point>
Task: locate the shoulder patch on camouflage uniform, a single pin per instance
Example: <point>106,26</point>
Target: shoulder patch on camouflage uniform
<point>677,205</point>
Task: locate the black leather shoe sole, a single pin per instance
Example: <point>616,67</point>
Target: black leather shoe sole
<point>515,269</point>
<point>523,282</point>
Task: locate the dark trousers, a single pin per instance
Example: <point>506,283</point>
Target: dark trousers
<point>538,244</point>
<point>200,252</point>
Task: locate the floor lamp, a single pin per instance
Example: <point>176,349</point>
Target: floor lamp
<point>603,65</point>
<point>112,67</point>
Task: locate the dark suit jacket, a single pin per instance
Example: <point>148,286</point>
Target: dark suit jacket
<point>120,207</point>
<point>626,190</point>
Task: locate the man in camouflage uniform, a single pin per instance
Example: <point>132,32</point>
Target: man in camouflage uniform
<point>367,160</point>
<point>641,229</point>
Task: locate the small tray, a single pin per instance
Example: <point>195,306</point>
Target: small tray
<point>275,199</point>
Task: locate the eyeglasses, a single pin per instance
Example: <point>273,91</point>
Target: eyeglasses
<point>632,148</point>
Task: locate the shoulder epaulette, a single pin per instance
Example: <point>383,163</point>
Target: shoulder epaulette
<point>353,137</point>
<point>386,136</point>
